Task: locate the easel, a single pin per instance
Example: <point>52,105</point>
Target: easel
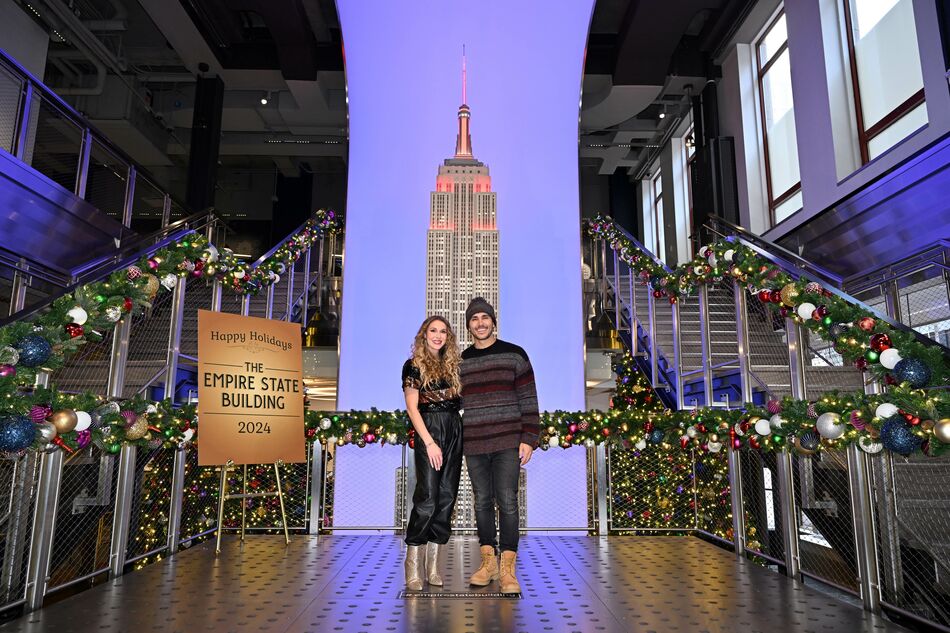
<point>223,496</point>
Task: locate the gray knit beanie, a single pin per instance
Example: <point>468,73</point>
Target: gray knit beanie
<point>478,304</point>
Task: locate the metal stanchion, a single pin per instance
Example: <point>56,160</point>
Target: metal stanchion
<point>123,509</point>
<point>677,355</point>
<point>603,518</point>
<point>705,344</point>
<point>784,463</point>
<point>177,497</point>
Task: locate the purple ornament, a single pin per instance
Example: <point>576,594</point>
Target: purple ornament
<point>7,371</point>
<point>856,420</point>
<point>39,412</point>
<point>83,438</point>
<point>773,407</point>
<point>130,417</point>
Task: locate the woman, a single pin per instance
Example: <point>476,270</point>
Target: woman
<point>430,380</point>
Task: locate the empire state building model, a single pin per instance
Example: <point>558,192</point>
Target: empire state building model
<point>462,244</point>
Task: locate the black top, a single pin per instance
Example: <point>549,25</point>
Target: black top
<point>437,396</point>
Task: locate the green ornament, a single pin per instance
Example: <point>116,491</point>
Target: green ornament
<point>871,355</point>
<point>100,298</point>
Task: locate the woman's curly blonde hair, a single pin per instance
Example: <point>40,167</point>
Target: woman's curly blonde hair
<point>443,367</point>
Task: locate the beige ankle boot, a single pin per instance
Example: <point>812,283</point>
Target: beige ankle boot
<point>432,564</point>
<point>507,580</point>
<point>488,570</point>
<point>414,567</point>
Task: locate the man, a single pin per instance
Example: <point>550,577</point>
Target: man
<point>500,428</point>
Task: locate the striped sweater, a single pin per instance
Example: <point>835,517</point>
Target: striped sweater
<point>499,399</point>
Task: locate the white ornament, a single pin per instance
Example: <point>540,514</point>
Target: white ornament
<point>885,410</point>
<point>776,422</point>
<point>187,435</point>
<point>890,357</point>
<point>553,441</point>
<point>641,444</point>
<point>712,259</point>
<point>699,270</point>
<point>332,439</point>
<point>829,426</point>
<point>78,315</point>
<point>151,409</point>
<point>805,309</point>
<point>325,423</point>
<point>589,443</point>
<point>728,255</point>
<point>169,281</point>
<point>113,314</point>
<point>762,427</point>
<point>691,432</point>
<point>870,446</point>
<point>83,421</point>
<point>703,251</point>
<point>714,447</point>
<point>210,254</point>
<point>392,438</point>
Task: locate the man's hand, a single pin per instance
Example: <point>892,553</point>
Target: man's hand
<point>524,452</point>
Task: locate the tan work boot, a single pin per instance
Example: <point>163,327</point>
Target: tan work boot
<point>414,567</point>
<point>507,580</point>
<point>432,564</point>
<point>488,570</point>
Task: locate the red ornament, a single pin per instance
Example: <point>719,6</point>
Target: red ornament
<point>606,432</point>
<point>672,300</point>
<point>684,441</point>
<point>648,426</point>
<point>861,363</point>
<point>783,311</point>
<point>754,442</point>
<point>880,342</point>
<point>657,294</point>
<point>866,323</point>
<point>820,312</point>
<point>765,295</point>
<point>775,296</point>
<point>74,330</point>
<point>568,438</point>
<point>127,304</point>
<point>890,380</point>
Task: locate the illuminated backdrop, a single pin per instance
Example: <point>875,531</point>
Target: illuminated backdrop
<point>403,65</point>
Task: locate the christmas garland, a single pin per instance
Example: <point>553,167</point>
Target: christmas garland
<point>27,348</point>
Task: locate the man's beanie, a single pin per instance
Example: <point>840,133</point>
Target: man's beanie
<point>478,304</point>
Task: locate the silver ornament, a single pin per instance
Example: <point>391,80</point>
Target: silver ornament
<point>113,313</point>
<point>829,426</point>
<point>45,432</point>
<point>325,423</point>
<point>870,446</point>
<point>9,355</point>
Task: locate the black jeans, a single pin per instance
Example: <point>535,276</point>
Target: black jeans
<point>436,490</point>
<point>495,481</point>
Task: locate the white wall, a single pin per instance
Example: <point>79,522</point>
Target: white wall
<point>23,39</point>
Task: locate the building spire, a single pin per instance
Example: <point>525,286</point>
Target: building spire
<point>463,142</point>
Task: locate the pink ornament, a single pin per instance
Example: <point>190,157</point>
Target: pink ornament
<point>130,417</point>
<point>856,420</point>
<point>812,412</point>
<point>133,273</point>
<point>83,438</point>
<point>153,264</point>
<point>773,407</point>
<point>39,412</point>
<point>812,288</point>
<point>7,371</point>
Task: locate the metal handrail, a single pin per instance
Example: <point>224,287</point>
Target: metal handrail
<point>638,244</point>
<point>763,248</point>
<point>907,266</point>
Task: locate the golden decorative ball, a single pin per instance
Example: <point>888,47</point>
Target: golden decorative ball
<point>789,295</point>
<point>138,429</point>
<point>364,428</point>
<point>152,284</point>
<point>942,430</point>
<point>64,420</point>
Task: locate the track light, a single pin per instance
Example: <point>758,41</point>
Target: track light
<point>264,100</point>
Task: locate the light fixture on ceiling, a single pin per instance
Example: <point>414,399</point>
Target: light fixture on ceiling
<point>265,98</point>
<point>663,112</point>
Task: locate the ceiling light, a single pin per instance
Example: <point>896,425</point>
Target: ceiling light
<point>264,100</point>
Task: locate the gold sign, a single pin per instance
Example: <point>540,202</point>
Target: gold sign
<point>250,390</point>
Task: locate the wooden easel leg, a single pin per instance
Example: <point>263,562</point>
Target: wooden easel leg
<point>222,495</point>
<point>280,496</point>
<point>244,505</point>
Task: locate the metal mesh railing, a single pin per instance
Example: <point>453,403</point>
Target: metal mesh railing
<point>55,145</point>
<point>825,529</point>
<point>18,478</point>
<point>724,345</point>
<point>768,350</point>
<point>760,505</point>
<point>912,499</point>
<point>106,181</point>
<point>263,514</point>
<point>199,505</point>
<point>650,490</point>
<point>11,91</point>
<point>826,370</point>
<point>151,499</point>
<point>84,517</point>
<point>713,494</point>
<point>925,305</point>
<point>691,345</point>
<point>148,345</point>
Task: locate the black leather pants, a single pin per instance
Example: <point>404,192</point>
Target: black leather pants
<point>436,490</point>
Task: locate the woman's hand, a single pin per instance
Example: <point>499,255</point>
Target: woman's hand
<point>435,455</point>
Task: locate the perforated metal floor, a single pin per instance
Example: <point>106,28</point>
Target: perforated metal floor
<point>352,584</point>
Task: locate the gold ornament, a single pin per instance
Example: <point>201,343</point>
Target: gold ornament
<point>364,428</point>
<point>64,420</point>
<point>789,295</point>
<point>138,429</point>
<point>942,430</point>
<point>152,284</point>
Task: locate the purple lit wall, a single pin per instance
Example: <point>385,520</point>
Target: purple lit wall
<point>525,62</point>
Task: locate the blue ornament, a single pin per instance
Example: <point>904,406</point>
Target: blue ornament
<point>34,350</point>
<point>898,437</point>
<point>809,441</point>
<point>17,432</point>
<point>914,371</point>
<point>656,436</point>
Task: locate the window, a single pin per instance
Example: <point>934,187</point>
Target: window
<point>782,179</point>
<point>658,214</point>
<point>885,73</point>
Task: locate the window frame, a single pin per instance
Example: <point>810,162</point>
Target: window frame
<point>657,198</point>
<point>866,135</point>
<point>760,71</point>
